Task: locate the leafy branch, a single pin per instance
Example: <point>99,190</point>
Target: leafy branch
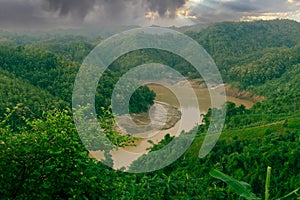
<point>244,189</point>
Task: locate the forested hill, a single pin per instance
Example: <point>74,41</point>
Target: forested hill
<point>254,56</point>
<point>250,55</point>
<point>261,57</point>
<point>55,74</point>
<point>28,100</point>
<point>42,156</point>
<point>231,42</point>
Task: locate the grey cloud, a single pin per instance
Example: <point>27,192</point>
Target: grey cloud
<point>80,8</point>
<point>240,6</point>
<point>117,12</point>
<point>79,13</point>
<point>258,5</point>
<point>77,8</point>
<point>164,6</point>
<point>119,9</point>
<point>220,10</point>
<point>17,14</point>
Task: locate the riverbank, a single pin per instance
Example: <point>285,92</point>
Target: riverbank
<point>163,113</point>
<point>164,118</point>
<point>234,95</point>
<point>243,94</point>
<point>150,128</point>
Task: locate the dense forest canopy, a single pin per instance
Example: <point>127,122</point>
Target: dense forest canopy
<point>42,156</point>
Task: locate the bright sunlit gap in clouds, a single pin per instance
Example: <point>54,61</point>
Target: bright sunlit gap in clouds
<point>272,16</point>
<point>292,14</point>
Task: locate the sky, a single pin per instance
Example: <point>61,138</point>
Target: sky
<point>49,14</point>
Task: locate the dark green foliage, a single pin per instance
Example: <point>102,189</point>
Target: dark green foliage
<point>146,56</point>
<point>141,99</point>
<point>57,75</point>
<point>31,101</point>
<point>41,154</point>
<point>244,189</point>
<point>48,161</point>
<point>241,188</point>
<point>269,67</point>
<point>75,50</point>
<point>38,162</point>
<point>40,68</point>
<point>231,42</point>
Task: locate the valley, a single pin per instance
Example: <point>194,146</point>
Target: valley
<point>42,155</point>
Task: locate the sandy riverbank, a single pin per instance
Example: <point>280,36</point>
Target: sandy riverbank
<point>164,119</point>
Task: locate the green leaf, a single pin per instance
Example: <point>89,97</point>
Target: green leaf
<point>268,180</point>
<point>241,188</point>
<point>290,194</point>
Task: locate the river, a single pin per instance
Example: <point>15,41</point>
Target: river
<point>190,117</point>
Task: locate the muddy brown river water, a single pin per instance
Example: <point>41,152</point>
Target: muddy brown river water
<point>190,117</point>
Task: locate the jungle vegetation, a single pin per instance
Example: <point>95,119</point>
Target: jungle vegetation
<point>42,156</point>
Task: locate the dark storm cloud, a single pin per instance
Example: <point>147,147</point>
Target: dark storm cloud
<point>77,8</point>
<point>80,8</point>
<point>165,6</point>
<point>116,12</point>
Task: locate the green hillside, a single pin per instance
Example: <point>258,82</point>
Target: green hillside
<point>42,156</point>
<point>56,74</point>
<point>26,100</point>
<point>231,42</point>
